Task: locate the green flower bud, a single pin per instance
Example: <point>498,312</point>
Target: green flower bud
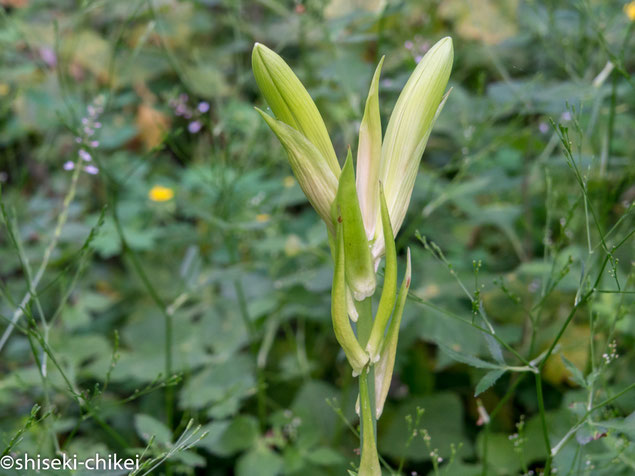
<point>317,180</point>
<point>408,130</point>
<point>290,101</point>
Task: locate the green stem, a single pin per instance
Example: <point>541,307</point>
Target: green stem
<point>543,420</point>
<point>369,465</point>
<point>364,321</point>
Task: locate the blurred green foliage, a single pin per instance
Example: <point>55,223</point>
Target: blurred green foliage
<point>232,275</point>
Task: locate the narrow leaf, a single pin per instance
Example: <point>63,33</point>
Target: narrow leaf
<point>468,359</point>
<point>488,380</point>
<point>389,291</point>
<point>384,368</point>
<point>576,374</point>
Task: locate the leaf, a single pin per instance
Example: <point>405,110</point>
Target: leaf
<point>576,374</point>
<point>325,456</point>
<point>148,427</point>
<point>260,461</point>
<point>488,380</point>
<point>468,359</point>
<point>494,348</point>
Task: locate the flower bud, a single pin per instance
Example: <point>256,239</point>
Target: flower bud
<point>408,130</point>
<point>290,101</point>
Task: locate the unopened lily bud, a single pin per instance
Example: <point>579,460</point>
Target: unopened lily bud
<point>317,180</point>
<point>290,101</point>
<point>408,130</point>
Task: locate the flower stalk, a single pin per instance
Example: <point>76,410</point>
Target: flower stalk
<point>362,208</point>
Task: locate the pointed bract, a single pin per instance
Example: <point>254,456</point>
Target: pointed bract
<point>290,101</point>
<point>386,364</point>
<point>389,291</point>
<point>360,273</point>
<point>369,155</point>
<point>341,325</point>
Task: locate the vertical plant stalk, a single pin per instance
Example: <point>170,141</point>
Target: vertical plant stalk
<point>61,221</point>
<point>369,465</point>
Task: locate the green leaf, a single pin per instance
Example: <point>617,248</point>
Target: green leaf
<point>468,359</point>
<point>325,456</point>
<point>488,380</point>
<point>148,427</point>
<point>260,461</point>
<point>576,374</point>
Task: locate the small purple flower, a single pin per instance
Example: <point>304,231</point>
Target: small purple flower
<point>97,125</point>
<point>94,143</point>
<point>194,127</point>
<point>408,45</point>
<point>84,155</point>
<point>543,127</point>
<point>180,110</point>
<point>203,107</point>
<point>91,169</point>
<point>566,116</point>
<point>78,140</point>
<point>85,120</point>
<point>88,131</point>
<point>69,165</point>
<point>48,56</point>
<point>418,58</point>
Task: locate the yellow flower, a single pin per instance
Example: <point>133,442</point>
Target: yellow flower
<point>289,181</point>
<point>4,89</point>
<point>262,217</point>
<point>158,193</point>
<point>629,9</point>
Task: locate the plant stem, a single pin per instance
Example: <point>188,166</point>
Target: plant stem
<point>543,420</point>
<point>369,465</point>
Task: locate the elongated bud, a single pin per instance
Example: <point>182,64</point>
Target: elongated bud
<point>316,179</point>
<point>290,101</point>
<point>384,368</point>
<point>389,291</point>
<point>408,130</point>
<point>360,274</point>
<point>341,325</point>
<point>369,156</point>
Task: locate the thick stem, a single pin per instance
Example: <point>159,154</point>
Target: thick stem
<point>369,465</point>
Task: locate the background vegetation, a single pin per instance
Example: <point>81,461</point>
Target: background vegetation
<point>164,266</point>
